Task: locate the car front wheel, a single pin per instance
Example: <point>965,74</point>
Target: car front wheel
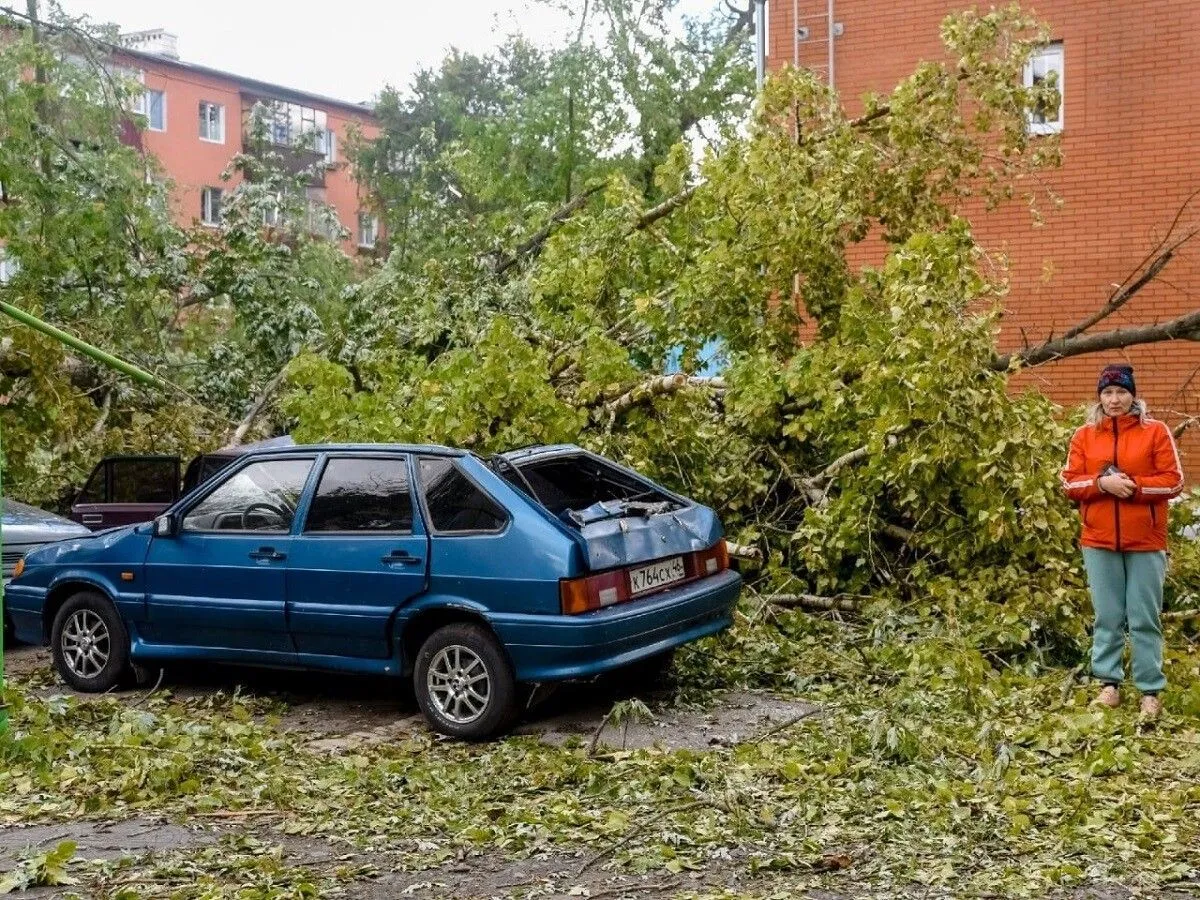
<point>464,683</point>
<point>90,643</point>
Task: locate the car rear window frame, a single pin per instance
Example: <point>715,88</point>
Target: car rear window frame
<point>430,526</point>
<point>532,463</point>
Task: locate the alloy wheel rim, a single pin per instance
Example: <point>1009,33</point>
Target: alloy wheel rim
<point>458,684</point>
<point>86,643</point>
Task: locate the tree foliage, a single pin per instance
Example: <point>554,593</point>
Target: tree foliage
<point>483,146</point>
<point>860,436</point>
<point>85,216</point>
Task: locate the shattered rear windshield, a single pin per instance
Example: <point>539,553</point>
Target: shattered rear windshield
<point>572,484</point>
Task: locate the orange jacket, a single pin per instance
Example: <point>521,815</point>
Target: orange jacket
<point>1143,449</point>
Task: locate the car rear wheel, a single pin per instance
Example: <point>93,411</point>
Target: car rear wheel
<point>464,684</point>
<point>90,643</point>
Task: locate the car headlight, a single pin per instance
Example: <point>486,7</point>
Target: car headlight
<point>19,568</point>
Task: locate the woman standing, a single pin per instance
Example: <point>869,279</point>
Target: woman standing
<point>1122,469</point>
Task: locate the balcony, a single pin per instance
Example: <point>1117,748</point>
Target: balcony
<point>295,135</point>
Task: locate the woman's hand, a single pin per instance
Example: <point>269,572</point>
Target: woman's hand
<point>1118,484</point>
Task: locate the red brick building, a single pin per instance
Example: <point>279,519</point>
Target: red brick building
<point>198,118</point>
<point>1130,128</point>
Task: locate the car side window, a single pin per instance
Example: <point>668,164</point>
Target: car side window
<point>144,480</point>
<point>93,491</point>
<point>260,497</point>
<point>362,495</point>
<point>454,502</point>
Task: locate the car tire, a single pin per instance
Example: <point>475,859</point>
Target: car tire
<point>90,643</point>
<point>464,683</point>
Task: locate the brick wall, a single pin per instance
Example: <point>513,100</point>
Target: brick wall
<point>193,164</point>
<point>1131,148</point>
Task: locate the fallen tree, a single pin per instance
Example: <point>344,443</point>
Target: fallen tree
<point>884,456</point>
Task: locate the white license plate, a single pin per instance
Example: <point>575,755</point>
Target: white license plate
<point>656,575</point>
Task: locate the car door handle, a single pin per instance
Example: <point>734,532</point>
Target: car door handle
<point>267,553</point>
<point>403,557</point>
<point>92,518</point>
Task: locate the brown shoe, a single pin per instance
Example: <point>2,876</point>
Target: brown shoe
<point>1151,707</point>
<point>1109,696</point>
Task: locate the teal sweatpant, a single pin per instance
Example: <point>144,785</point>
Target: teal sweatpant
<point>1127,590</point>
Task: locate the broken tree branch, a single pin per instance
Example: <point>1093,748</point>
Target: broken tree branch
<point>609,408</point>
<point>899,533</point>
<point>239,433</point>
<point>814,601</point>
<point>535,242</point>
<point>664,209</point>
<point>1185,327</point>
<point>742,551</point>
<point>1178,430</point>
<point>1126,290</point>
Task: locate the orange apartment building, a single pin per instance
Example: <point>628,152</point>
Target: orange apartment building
<point>198,119</point>
<point>1129,73</point>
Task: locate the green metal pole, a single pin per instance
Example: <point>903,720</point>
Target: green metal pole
<point>84,347</point>
<point>99,356</point>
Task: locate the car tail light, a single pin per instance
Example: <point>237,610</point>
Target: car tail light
<point>713,560</point>
<point>592,592</point>
<point>19,568</point>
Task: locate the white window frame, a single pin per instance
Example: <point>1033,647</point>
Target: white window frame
<point>206,207</point>
<point>203,117</point>
<point>363,233</point>
<point>1050,58</point>
<point>145,110</point>
<point>327,144</point>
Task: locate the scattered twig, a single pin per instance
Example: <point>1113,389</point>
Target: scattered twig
<point>1182,614</point>
<point>157,684</point>
<point>604,723</point>
<point>633,832</point>
<point>144,748</point>
<point>783,726</point>
<point>626,890</point>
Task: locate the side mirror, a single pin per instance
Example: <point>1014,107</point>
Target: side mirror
<point>164,526</point>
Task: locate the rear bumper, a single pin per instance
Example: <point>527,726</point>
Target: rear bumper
<point>554,648</point>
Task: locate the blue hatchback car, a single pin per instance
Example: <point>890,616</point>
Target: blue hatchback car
<point>472,576</point>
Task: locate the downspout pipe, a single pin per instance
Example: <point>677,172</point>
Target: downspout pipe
<point>760,42</point>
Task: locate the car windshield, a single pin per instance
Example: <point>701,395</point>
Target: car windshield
<point>580,489</point>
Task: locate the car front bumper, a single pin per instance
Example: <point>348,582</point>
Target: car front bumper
<point>556,648</point>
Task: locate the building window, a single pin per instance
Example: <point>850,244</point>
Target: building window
<point>9,267</point>
<point>368,230</point>
<point>270,214</point>
<point>154,108</point>
<point>293,125</point>
<point>212,122</point>
<point>325,143</point>
<point>1045,64</point>
<point>210,206</point>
